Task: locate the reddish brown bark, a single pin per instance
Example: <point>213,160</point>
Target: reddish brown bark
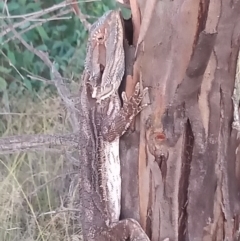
<point>188,165</point>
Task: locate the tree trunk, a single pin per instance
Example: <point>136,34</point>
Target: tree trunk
<point>188,165</point>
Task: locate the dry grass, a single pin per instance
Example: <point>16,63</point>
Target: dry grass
<point>35,184</point>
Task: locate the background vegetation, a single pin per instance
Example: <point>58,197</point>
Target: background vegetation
<point>34,186</point>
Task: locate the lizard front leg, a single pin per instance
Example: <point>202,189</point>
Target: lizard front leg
<point>117,124</point>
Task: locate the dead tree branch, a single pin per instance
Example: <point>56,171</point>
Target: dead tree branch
<point>36,142</point>
<point>31,142</point>
<point>81,16</point>
<point>35,16</point>
<point>56,17</point>
<point>60,85</point>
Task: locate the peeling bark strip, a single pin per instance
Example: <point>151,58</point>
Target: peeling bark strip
<point>189,63</point>
<point>196,68</point>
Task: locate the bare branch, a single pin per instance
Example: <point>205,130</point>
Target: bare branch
<point>46,81</point>
<point>5,8</point>
<point>81,16</point>
<point>36,15</point>
<point>23,113</point>
<point>59,211</point>
<point>22,143</point>
<point>56,17</point>
<point>51,180</point>
<point>30,16</point>
<point>39,78</point>
<point>61,87</point>
<point>11,64</point>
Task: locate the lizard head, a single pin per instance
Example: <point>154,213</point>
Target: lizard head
<point>105,61</point>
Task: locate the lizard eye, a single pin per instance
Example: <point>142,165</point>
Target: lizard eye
<point>100,37</point>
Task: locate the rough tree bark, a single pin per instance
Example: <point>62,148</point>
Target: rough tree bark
<point>188,164</point>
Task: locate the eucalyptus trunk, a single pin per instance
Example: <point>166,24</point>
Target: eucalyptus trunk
<point>186,161</point>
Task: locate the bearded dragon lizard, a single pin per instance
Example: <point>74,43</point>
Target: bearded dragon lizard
<point>102,120</point>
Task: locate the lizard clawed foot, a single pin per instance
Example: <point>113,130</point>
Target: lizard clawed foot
<point>133,104</point>
<point>116,125</point>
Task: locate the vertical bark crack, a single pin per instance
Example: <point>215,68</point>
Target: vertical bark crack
<point>184,182</point>
<point>202,19</point>
<point>149,210</point>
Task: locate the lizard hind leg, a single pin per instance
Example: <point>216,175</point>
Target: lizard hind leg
<point>127,229</point>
